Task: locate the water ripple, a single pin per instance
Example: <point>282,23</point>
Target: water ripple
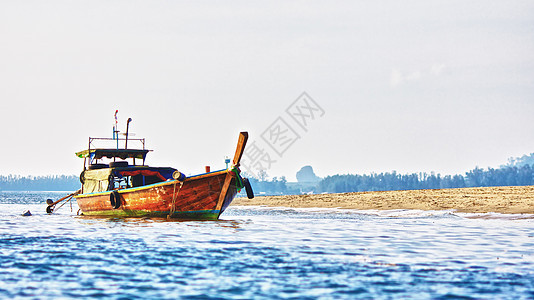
<point>263,253</point>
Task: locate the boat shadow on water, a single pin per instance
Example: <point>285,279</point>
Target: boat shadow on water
<point>147,221</point>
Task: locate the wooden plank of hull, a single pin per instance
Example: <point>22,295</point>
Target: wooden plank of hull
<point>199,198</point>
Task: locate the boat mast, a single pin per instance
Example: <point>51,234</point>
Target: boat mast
<point>127,127</point>
<point>116,129</point>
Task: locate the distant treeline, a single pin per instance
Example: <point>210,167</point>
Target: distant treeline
<point>520,161</point>
<point>39,183</point>
<point>518,171</point>
<point>275,186</point>
<point>505,176</point>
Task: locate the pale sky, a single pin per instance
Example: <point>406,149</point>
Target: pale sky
<point>411,86</point>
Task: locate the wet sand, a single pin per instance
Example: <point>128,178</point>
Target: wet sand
<point>508,200</point>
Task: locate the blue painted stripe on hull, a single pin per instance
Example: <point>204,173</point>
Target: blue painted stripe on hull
<point>200,214</point>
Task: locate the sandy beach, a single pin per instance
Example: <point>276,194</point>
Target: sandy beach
<point>508,200</point>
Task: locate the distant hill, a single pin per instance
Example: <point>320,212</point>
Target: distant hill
<point>306,175</point>
<point>521,161</point>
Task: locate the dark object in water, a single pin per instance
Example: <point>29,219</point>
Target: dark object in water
<point>26,213</point>
<point>49,201</point>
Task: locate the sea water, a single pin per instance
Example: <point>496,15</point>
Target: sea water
<point>264,253</point>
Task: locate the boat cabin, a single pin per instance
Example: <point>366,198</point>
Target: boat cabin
<point>107,169</point>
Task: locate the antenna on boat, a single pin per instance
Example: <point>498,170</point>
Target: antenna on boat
<point>116,129</point>
<point>127,127</point>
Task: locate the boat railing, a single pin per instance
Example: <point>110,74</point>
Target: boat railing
<point>96,143</point>
<point>116,142</point>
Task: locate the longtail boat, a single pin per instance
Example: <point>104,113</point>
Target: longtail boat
<point>125,187</point>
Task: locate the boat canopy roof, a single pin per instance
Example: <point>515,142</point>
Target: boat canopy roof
<point>102,179</point>
<point>111,153</point>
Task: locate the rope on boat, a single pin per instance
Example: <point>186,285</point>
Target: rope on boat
<point>51,204</point>
<point>174,195</point>
<point>64,202</point>
<point>238,182</point>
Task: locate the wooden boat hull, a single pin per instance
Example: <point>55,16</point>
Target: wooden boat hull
<point>204,197</point>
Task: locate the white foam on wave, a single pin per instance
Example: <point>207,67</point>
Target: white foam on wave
<point>396,213</point>
<point>496,216</point>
